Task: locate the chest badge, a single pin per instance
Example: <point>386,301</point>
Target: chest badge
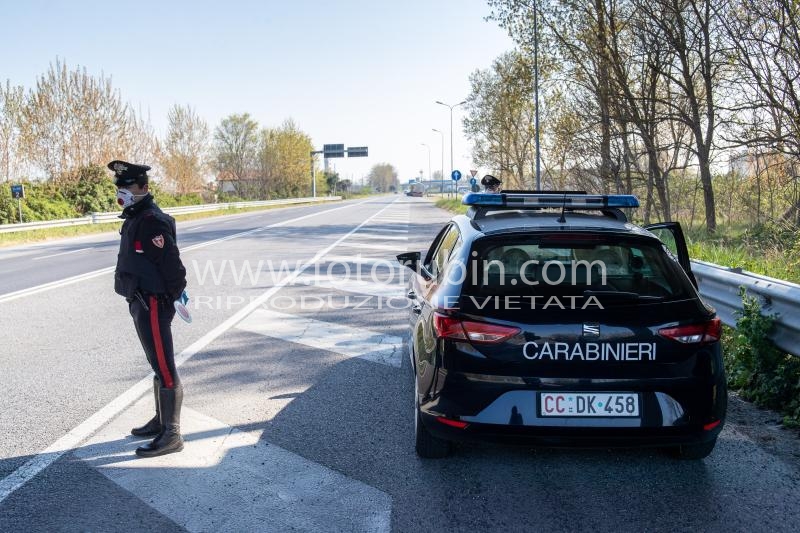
<point>158,240</point>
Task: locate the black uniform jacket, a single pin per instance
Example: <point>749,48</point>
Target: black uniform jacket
<point>148,259</point>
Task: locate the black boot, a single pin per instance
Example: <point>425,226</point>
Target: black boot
<point>169,440</point>
<point>153,427</point>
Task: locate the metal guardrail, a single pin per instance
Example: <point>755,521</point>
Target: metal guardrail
<point>719,286</point>
<point>99,218</point>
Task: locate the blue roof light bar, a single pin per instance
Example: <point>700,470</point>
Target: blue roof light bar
<point>543,200</point>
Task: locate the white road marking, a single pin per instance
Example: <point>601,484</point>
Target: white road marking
<point>359,259</point>
<point>344,340</point>
<point>62,253</point>
<point>381,229</point>
<point>399,248</point>
<point>73,438</point>
<point>251,485</point>
<point>196,227</point>
<point>356,286</point>
<point>363,235</point>
<point>89,275</point>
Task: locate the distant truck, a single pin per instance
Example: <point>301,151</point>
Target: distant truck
<point>415,189</point>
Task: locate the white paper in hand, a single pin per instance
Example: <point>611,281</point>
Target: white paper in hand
<point>180,308</point>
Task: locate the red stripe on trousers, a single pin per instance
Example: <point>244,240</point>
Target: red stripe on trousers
<point>162,361</point>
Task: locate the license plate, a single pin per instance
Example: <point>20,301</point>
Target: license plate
<point>594,404</point>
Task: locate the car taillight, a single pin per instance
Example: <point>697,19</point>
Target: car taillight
<point>703,333</point>
<point>481,332</point>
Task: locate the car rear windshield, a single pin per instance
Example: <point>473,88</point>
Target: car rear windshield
<point>615,269</point>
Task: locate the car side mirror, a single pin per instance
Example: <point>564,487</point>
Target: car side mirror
<point>412,261</point>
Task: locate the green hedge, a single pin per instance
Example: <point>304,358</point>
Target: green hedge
<point>92,191</point>
<point>762,373</point>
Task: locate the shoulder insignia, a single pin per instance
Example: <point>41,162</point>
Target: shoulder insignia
<point>158,240</point>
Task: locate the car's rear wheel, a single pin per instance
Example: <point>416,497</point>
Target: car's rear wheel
<point>695,451</point>
<point>426,445</point>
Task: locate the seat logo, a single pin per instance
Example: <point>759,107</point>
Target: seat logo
<point>591,330</point>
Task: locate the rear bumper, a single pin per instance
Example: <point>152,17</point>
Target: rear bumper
<point>672,412</point>
<point>572,437</point>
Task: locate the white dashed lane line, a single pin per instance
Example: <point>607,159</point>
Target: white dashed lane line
<point>382,229</point>
<point>397,248</point>
<point>59,254</point>
<point>361,235</point>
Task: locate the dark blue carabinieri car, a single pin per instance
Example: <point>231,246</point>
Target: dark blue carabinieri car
<point>551,319</point>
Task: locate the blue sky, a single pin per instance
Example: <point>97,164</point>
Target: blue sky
<point>352,72</point>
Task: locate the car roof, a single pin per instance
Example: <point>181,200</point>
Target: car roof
<point>513,221</point>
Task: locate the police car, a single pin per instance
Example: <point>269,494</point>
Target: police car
<point>551,319</point>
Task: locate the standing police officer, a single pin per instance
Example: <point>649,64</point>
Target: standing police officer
<point>151,277</point>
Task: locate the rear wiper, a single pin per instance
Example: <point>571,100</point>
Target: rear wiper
<point>622,295</point>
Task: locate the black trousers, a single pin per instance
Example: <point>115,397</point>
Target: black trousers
<point>154,327</point>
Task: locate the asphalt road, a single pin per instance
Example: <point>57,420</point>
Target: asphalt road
<point>298,411</point>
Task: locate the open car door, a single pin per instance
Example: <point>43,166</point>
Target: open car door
<point>671,234</point>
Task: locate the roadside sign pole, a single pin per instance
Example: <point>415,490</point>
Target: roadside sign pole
<point>456,175</point>
<point>18,192</point>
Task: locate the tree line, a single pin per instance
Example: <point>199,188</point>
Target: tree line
<point>693,104</point>
<point>72,121</point>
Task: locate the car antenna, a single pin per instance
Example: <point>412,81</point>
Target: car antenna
<point>561,219</point>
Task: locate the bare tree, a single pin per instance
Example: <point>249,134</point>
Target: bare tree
<point>235,152</point>
<point>185,150</point>
<point>766,37</point>
<point>383,177</point>
<point>500,119</point>
<point>11,100</point>
<point>73,120</point>
<point>695,63</point>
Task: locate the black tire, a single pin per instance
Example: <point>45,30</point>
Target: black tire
<point>695,451</point>
<point>426,445</point>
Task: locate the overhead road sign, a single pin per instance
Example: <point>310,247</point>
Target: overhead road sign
<point>333,150</point>
<point>357,151</point>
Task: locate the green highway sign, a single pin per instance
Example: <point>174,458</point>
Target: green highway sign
<point>357,151</point>
<point>333,150</point>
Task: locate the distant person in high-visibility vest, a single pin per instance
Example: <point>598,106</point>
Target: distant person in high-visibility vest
<point>151,277</point>
<point>491,184</point>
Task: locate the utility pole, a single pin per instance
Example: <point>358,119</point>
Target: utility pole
<point>451,128</point>
<point>442,169</point>
<point>429,161</point>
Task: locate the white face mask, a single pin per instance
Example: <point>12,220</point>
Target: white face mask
<point>126,197</point>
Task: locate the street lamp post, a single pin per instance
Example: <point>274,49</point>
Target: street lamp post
<point>451,128</point>
<point>429,160</point>
<point>442,174</point>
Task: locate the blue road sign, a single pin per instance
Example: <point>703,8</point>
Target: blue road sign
<point>17,191</point>
<point>456,175</point>
<point>473,181</point>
